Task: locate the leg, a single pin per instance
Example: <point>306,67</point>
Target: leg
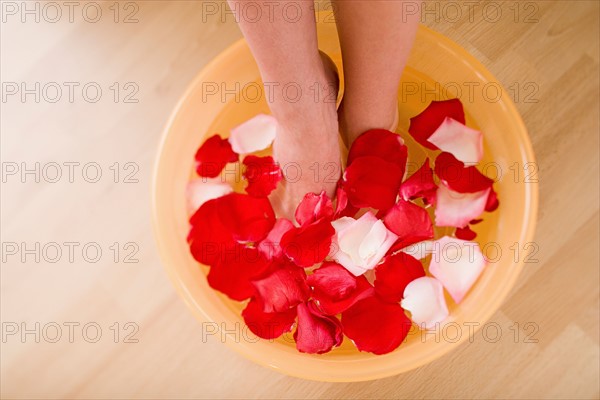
<point>286,51</point>
<point>376,38</point>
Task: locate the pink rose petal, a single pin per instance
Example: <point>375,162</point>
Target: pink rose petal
<point>253,135</point>
<point>359,244</point>
<point>419,250</point>
<point>462,142</point>
<point>424,298</point>
<point>457,209</point>
<point>457,264</point>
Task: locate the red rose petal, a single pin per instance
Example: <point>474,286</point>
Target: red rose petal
<point>372,182</point>
<point>213,155</point>
<point>282,289</point>
<point>308,245</point>
<point>335,289</point>
<point>248,218</point>
<point>423,125</point>
<point>233,273</point>
<point>410,222</point>
<point>379,143</point>
<point>343,208</point>
<point>316,333</point>
<point>263,174</point>
<point>459,178</point>
<point>420,185</point>
<point>270,247</point>
<point>465,233</point>
<point>375,326</point>
<point>208,237</point>
<point>267,325</point>
<point>394,274</point>
<point>314,207</point>
<point>492,201</point>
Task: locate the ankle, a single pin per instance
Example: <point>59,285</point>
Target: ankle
<point>355,120</point>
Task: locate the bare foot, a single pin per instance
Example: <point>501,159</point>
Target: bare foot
<point>307,146</point>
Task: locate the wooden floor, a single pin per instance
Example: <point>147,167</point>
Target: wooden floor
<point>125,333</point>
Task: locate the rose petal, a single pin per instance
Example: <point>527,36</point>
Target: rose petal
<point>267,325</point>
<point>343,208</point>
<point>208,237</point>
<point>381,143</point>
<point>308,245</point>
<point>394,274</point>
<point>410,222</point>
<point>253,135</point>
<point>458,177</point>
<point>316,333</point>
<point>233,273</point>
<point>425,124</point>
<point>375,326</point>
<point>270,246</point>
<point>314,207</point>
<point>360,244</point>
<point>335,289</point>
<point>419,250</point>
<point>457,209</point>
<point>248,218</point>
<point>283,288</point>
<point>457,265</point>
<point>372,182</point>
<point>462,142</point>
<point>200,190</point>
<point>492,201</point>
<point>424,298</point>
<point>465,233</point>
<point>213,155</point>
<point>263,174</point>
<point>420,185</point>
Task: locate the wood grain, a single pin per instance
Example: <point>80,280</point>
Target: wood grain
<point>545,52</point>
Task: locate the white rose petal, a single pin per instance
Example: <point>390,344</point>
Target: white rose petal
<point>253,135</point>
<point>464,143</point>
<point>424,298</point>
<point>359,244</point>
